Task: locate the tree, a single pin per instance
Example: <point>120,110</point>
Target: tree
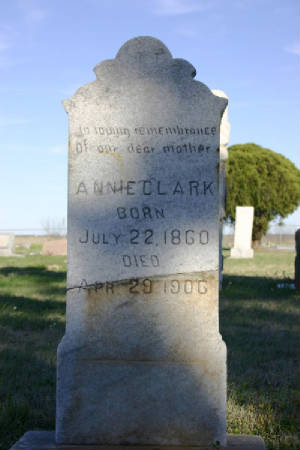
<point>264,179</point>
<point>53,227</point>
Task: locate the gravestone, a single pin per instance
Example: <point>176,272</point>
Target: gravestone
<point>297,259</point>
<point>243,232</point>
<point>224,140</point>
<point>7,243</point>
<point>142,361</point>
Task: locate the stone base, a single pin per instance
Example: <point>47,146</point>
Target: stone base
<point>142,403</point>
<point>241,253</point>
<point>44,440</point>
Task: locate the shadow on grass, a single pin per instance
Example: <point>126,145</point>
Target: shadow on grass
<point>36,273</point>
<point>26,313</point>
<point>260,288</point>
<point>27,370</point>
<point>27,395</point>
<point>44,280</point>
<point>260,325</point>
<point>257,318</point>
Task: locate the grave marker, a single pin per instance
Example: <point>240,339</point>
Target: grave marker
<point>143,257</point>
<point>243,233</point>
<point>142,361</point>
<point>7,243</point>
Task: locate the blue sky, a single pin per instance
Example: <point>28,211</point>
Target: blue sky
<point>248,48</point>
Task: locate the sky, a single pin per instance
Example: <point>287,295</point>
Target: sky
<point>250,49</point>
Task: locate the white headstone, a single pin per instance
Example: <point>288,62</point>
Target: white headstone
<point>142,361</point>
<point>243,232</point>
<point>7,242</point>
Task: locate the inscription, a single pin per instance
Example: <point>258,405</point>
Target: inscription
<point>84,147</point>
<point>105,131</point>
<point>92,138</point>
<point>99,238</point>
<point>106,148</point>
<point>141,286</point>
<point>188,237</point>
<point>106,287</point>
<point>146,286</point>
<point>185,286</point>
<point>186,148</point>
<point>191,188</point>
<point>140,149</point>
<point>144,208</point>
<point>173,286</point>
<point>140,261</point>
<point>145,212</point>
<point>146,237</point>
<point>175,130</point>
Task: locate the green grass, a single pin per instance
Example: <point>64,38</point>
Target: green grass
<point>258,321</point>
<point>32,320</point>
<point>26,250</point>
<point>260,325</point>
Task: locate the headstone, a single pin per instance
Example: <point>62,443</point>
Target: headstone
<point>142,361</point>
<point>55,247</point>
<point>224,140</point>
<point>297,259</point>
<point>243,232</point>
<point>7,243</point>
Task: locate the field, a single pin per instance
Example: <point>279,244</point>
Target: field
<point>259,323</point>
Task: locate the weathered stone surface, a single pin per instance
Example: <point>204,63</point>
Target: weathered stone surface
<point>159,414</point>
<point>7,242</point>
<point>163,318</point>
<point>144,140</point>
<point>55,247</point>
<point>44,440</point>
<point>243,232</point>
<point>142,360</point>
<point>155,362</point>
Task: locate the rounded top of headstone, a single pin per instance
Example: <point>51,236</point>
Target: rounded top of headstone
<point>145,62</point>
<point>144,44</point>
<point>146,56</point>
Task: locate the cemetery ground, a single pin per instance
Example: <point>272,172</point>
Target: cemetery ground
<point>258,321</point>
